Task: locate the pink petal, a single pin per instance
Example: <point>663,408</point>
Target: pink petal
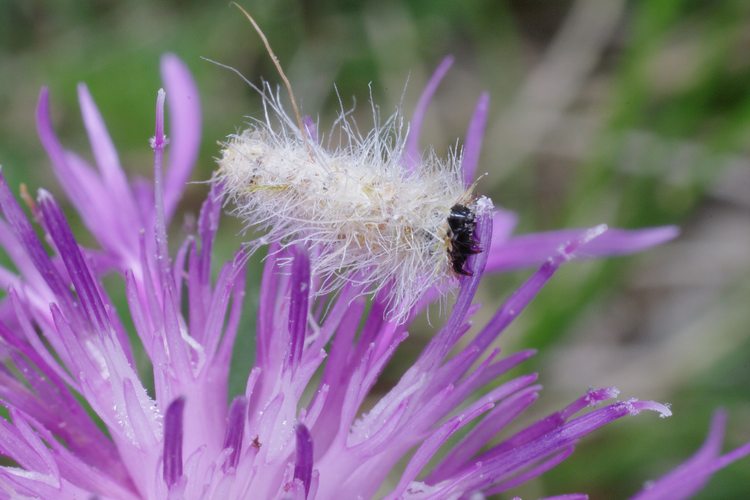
<point>184,128</point>
<point>473,139</point>
<point>533,249</point>
<point>412,153</point>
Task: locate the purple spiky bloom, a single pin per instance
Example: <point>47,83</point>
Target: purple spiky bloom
<point>308,424</point>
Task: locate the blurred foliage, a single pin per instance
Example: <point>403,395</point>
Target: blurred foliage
<point>673,71</point>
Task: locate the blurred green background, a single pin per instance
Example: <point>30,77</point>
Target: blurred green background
<point>632,113</point>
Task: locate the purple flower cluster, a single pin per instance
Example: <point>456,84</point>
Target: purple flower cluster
<point>82,424</point>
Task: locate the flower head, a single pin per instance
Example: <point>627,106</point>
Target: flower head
<point>304,426</point>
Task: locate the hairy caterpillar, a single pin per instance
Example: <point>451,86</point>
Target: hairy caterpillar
<point>362,215</point>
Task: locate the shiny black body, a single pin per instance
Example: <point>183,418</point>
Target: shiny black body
<point>462,226</point>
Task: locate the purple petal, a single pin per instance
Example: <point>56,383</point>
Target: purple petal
<point>690,477</point>
<point>101,144</point>
<point>303,465</point>
<point>106,157</point>
<point>298,307</point>
<point>78,179</point>
<point>158,142</point>
<point>26,235</point>
<point>533,249</point>
<point>412,152</point>
<point>503,224</point>
<point>65,175</point>
<point>235,431</point>
<point>75,264</point>
<point>173,441</point>
<point>231,328</point>
<point>473,140</point>
<point>568,496</point>
<point>184,128</point>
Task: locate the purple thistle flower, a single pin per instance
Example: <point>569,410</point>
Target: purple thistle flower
<point>292,434</point>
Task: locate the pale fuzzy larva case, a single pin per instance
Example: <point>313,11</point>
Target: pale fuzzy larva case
<point>362,215</point>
